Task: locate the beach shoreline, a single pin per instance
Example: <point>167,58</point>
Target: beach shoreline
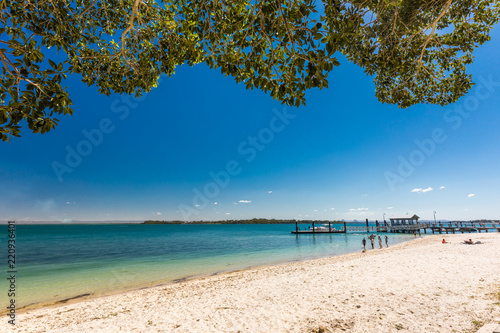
<point>160,283</point>
<point>420,285</point>
<point>71,280</point>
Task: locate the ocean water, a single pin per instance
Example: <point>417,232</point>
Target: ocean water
<point>57,262</point>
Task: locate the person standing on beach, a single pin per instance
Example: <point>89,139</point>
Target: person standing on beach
<point>386,241</point>
<point>364,244</point>
<point>380,241</point>
<point>371,240</point>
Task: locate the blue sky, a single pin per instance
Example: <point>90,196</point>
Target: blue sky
<point>201,146</point>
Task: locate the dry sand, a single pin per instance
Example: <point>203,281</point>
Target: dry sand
<point>419,286</point>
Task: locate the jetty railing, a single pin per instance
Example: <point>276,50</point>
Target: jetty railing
<point>447,227</point>
<point>387,228</point>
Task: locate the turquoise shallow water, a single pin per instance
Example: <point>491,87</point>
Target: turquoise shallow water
<point>56,262</point>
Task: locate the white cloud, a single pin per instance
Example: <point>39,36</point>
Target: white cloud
<point>216,203</point>
<point>364,195</point>
<point>68,203</point>
<point>423,190</point>
<point>67,220</point>
<point>269,192</point>
<point>442,187</point>
<point>357,209</point>
<point>390,207</point>
<point>332,208</point>
<point>244,201</point>
<point>471,195</point>
<point>228,213</point>
<point>197,205</point>
<point>157,213</point>
<point>315,210</point>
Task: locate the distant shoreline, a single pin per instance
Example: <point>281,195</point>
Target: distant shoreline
<point>252,221</point>
<point>246,221</point>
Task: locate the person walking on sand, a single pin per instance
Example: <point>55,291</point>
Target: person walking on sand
<point>364,244</point>
<point>386,241</point>
<point>380,241</point>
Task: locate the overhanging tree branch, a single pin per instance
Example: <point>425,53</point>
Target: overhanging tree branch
<point>434,24</point>
<point>278,46</point>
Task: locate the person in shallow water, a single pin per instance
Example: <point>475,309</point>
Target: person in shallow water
<point>364,244</point>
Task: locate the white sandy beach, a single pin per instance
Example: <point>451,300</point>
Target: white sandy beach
<point>420,286</point>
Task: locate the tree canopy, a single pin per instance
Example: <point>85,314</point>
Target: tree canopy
<point>416,50</point>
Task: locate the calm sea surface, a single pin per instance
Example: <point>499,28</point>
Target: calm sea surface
<point>56,262</point>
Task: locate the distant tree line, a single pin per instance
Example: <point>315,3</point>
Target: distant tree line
<point>252,221</point>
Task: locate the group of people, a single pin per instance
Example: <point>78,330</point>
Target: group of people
<point>372,240</point>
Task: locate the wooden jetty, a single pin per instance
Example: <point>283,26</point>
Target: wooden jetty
<point>410,229</point>
<point>319,230</point>
<point>411,225</point>
<point>376,229</point>
<point>454,227</point>
<point>368,229</point>
<point>450,227</point>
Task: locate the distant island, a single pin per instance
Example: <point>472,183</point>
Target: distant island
<point>252,221</point>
